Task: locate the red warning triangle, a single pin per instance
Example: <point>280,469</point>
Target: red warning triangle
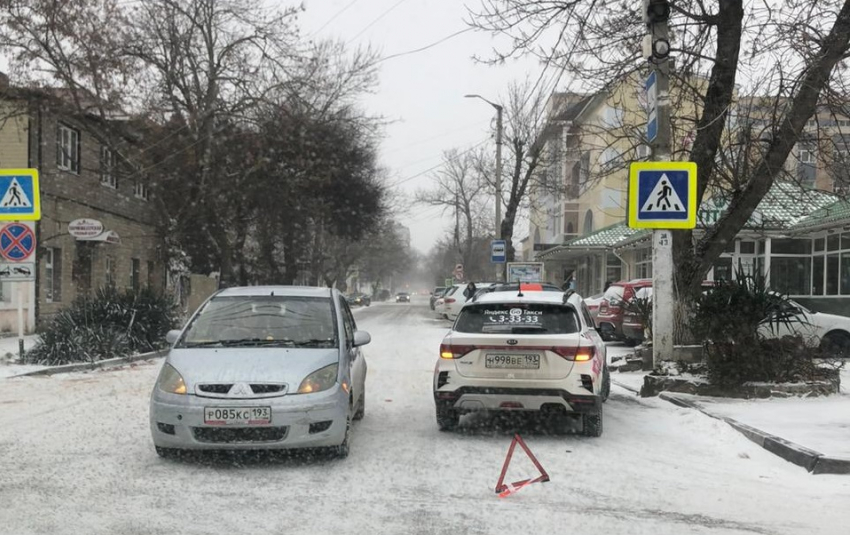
<point>506,490</point>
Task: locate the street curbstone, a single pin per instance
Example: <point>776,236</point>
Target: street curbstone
<point>627,387</point>
<point>813,461</point>
<point>831,465</point>
<point>86,366</point>
<point>755,435</point>
<point>791,452</point>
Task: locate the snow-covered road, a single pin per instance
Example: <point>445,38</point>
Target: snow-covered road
<point>76,458</point>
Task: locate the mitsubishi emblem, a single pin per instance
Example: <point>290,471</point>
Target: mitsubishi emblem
<point>240,389</point>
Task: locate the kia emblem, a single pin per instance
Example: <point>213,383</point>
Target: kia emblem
<point>512,342</point>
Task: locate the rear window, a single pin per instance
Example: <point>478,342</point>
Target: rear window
<point>526,318</point>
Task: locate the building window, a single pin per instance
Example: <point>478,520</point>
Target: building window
<point>53,275</point>
<point>107,168</point>
<point>791,275</point>
<point>135,275</point>
<point>643,263</point>
<point>68,149</point>
<point>150,274</point>
<point>140,190</point>
<point>614,269</point>
<point>110,270</point>
<point>807,156</point>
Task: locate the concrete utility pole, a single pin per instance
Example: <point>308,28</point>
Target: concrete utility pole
<point>657,49</point>
<point>500,268</point>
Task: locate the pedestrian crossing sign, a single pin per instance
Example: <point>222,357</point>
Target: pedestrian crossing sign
<point>19,195</point>
<point>663,195</point>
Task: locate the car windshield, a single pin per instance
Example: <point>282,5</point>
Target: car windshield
<point>263,321</point>
<point>517,318</point>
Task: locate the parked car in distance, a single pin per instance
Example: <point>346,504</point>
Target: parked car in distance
<point>262,367</point>
<point>402,297</point>
<point>534,351</point>
<point>592,304</point>
<point>633,328</point>
<point>436,294</point>
<point>609,317</point>
<point>359,299</point>
<point>828,332</point>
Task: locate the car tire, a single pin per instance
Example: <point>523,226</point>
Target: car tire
<point>447,419</point>
<point>606,384</point>
<point>835,345</point>
<point>361,408</point>
<point>591,424</point>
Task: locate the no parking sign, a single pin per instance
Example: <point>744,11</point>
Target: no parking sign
<point>17,241</point>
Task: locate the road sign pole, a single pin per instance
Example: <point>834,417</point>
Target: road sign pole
<point>663,296</point>
<point>20,321</point>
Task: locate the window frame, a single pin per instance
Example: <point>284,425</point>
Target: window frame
<point>65,161</point>
<point>108,177</point>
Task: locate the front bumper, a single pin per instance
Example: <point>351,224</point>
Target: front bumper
<point>178,422</point>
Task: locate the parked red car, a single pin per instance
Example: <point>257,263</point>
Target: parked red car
<point>633,330</point>
<point>611,310</point>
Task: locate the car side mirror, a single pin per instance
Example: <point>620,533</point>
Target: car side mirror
<point>361,338</point>
<point>172,336</point>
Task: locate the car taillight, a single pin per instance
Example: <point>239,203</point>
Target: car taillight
<point>450,300</point>
<point>449,351</point>
<point>578,354</point>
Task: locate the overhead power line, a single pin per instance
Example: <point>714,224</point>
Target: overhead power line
<point>375,21</point>
<point>444,162</point>
<point>338,13</point>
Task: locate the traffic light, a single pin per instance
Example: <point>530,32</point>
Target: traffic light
<point>656,11</point>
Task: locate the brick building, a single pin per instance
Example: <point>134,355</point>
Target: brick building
<point>85,169</point>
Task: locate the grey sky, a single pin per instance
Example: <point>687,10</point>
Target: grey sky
<point>423,92</point>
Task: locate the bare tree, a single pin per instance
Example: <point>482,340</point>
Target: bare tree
<point>460,187</point>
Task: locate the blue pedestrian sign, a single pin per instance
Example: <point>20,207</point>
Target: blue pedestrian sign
<point>651,107</point>
<point>498,252</point>
<point>662,195</point>
<point>19,195</point>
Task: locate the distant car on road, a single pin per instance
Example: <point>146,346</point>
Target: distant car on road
<point>262,367</point>
<point>402,297</point>
<point>359,300</point>
<point>609,318</point>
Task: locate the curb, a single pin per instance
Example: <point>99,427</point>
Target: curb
<point>84,366</point>
<point>813,461</point>
<point>627,387</point>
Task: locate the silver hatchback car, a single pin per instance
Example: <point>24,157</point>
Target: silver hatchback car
<point>262,367</point>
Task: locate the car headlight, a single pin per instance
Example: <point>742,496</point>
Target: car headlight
<point>319,380</point>
<point>170,380</point>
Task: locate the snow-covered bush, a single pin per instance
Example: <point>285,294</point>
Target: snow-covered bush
<point>736,321</point>
<point>109,324</point>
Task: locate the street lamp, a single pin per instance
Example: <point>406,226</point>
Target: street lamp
<point>498,163</point>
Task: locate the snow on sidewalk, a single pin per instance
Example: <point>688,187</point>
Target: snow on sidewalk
<point>9,355</point>
<point>818,423</point>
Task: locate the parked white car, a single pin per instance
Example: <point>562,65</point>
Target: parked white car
<point>532,351</point>
<point>829,332</point>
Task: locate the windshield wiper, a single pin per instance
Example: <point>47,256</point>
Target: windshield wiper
<point>315,342</point>
<point>243,342</point>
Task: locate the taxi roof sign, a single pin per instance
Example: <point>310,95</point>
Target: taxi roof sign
<point>20,199</point>
<point>663,195</point>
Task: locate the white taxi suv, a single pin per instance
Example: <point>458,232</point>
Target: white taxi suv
<point>523,350</point>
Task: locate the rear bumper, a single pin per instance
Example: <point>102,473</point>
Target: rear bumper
<point>480,398</point>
